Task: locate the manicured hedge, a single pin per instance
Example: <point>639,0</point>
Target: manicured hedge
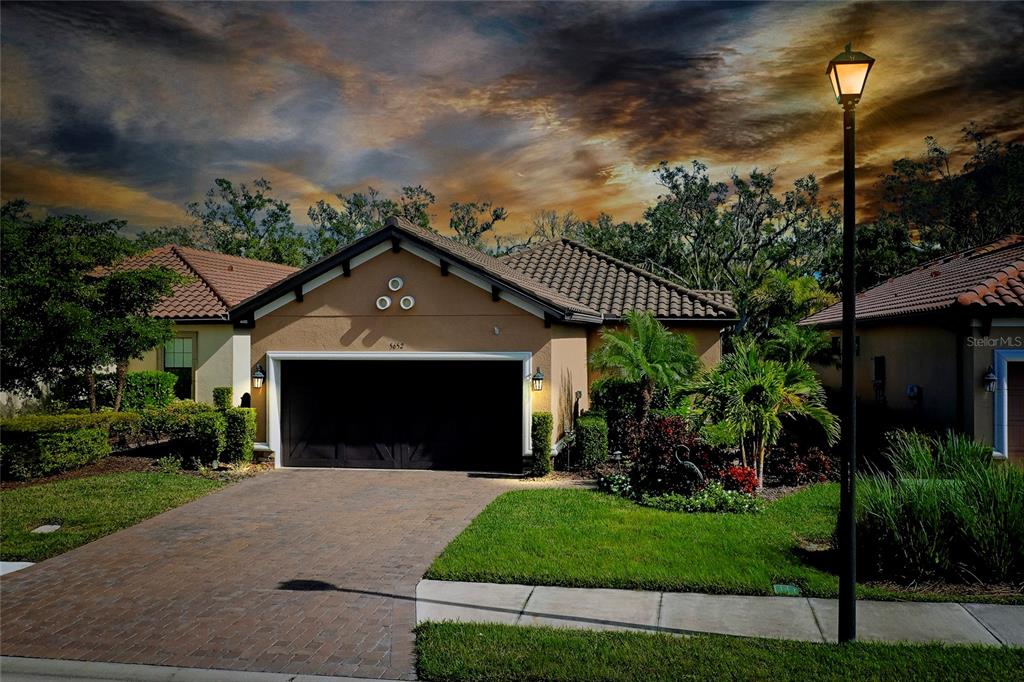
<point>222,397</point>
<point>240,434</point>
<point>540,438</point>
<point>591,445</point>
<point>148,389</point>
<point>40,445</point>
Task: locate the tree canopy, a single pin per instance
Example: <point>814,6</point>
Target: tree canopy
<point>65,312</point>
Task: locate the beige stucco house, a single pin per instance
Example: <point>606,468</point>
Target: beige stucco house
<point>943,345</point>
<point>406,349</point>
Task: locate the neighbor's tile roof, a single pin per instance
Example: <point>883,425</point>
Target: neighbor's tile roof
<point>989,276</point>
<point>216,282</point>
<point>615,287</point>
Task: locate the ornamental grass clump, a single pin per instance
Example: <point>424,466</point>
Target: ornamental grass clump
<point>946,511</point>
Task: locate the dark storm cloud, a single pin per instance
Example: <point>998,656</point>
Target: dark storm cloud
<point>138,24</point>
<point>136,107</point>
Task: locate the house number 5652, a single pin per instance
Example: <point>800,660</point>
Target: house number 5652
<point>396,345</point>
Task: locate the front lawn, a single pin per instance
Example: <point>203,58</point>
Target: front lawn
<point>582,538</point>
<point>87,509</point>
<point>456,652</point>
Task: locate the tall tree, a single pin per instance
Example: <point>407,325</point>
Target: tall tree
<point>179,235</point>
<point>62,320</point>
<point>125,299</point>
<point>247,221</point>
<point>360,214</point>
<point>472,220</point>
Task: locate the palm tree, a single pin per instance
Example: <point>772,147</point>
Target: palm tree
<point>752,394</point>
<point>648,354</point>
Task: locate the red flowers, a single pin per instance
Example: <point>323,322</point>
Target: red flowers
<point>741,479</point>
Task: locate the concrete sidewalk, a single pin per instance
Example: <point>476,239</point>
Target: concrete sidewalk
<point>18,669</point>
<point>796,618</point>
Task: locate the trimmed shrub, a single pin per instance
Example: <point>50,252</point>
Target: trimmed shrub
<point>40,445</point>
<point>239,434</point>
<point>591,442</point>
<point>946,512</point>
<point>148,389</point>
<point>222,397</point>
<point>711,498</point>
<point>540,440</point>
<point>199,436</point>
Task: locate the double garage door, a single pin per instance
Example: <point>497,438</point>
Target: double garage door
<point>398,414</point>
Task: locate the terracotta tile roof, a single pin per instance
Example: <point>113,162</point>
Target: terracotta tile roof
<point>498,268</point>
<point>990,276</point>
<point>217,282</point>
<point>615,287</point>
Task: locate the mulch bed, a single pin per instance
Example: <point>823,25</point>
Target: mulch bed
<point>116,464</point>
<point>113,464</point>
<point>965,590</point>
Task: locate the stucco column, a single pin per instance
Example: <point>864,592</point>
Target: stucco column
<point>241,365</point>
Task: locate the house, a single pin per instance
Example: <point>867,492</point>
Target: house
<point>407,349</point>
<point>943,345</point>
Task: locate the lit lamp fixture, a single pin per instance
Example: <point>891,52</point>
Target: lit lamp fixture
<point>990,379</point>
<point>538,380</point>
<point>258,376</point>
<point>848,72</point>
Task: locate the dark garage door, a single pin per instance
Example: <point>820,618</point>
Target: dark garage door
<point>398,414</point>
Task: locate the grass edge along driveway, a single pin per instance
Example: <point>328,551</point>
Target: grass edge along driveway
<point>87,509</point>
<point>584,538</point>
<point>461,652</point>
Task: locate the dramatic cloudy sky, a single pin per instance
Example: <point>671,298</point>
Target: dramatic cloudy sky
<point>131,110</point>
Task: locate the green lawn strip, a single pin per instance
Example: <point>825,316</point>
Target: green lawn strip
<point>583,538</point>
<point>87,508</point>
<point>464,652</point>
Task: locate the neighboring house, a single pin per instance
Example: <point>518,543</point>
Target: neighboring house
<point>406,349</point>
<point>943,345</point>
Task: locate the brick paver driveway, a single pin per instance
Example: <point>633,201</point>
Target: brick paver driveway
<point>294,571</point>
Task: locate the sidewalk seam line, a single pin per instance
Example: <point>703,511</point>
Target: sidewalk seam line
<point>522,609</point>
<point>814,615</point>
<point>661,600</point>
<point>978,621</point>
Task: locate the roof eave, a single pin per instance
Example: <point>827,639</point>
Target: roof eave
<point>245,308</point>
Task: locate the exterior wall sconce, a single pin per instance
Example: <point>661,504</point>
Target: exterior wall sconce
<point>990,379</point>
<point>258,376</point>
<point>538,380</point>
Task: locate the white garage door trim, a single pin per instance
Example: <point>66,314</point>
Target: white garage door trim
<point>273,383</point>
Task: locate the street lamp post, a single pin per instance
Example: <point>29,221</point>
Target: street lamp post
<point>847,73</point>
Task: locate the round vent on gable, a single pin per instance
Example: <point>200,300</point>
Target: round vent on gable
<point>383,302</point>
<point>407,302</point>
<point>396,283</point>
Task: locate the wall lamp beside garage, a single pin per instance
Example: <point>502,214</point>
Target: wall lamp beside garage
<point>990,379</point>
<point>258,375</point>
<point>538,380</point>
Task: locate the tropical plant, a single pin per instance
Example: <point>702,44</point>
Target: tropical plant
<point>751,395</point>
<point>648,354</point>
<point>788,342</point>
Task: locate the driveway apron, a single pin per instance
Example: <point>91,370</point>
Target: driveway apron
<point>294,571</point>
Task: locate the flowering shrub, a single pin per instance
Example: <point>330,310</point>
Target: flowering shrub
<point>711,498</point>
<point>660,466</point>
<point>741,479</point>
<point>616,484</point>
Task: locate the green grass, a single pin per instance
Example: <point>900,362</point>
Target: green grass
<point>582,538</point>
<point>87,509</point>
<point>452,652</point>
